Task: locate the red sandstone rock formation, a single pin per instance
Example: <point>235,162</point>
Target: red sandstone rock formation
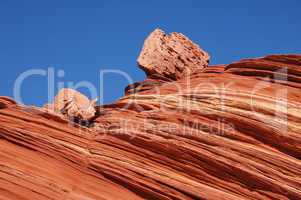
<point>171,56</point>
<point>73,104</point>
<point>224,132</point>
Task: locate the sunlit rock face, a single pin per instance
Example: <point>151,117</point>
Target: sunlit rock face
<point>72,104</point>
<point>222,132</point>
<point>171,56</point>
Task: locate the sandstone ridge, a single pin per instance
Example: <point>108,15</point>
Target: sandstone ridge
<point>221,132</point>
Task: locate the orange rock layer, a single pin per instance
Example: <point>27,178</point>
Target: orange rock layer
<point>224,132</point>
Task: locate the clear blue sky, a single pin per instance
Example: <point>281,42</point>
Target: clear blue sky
<point>83,37</point>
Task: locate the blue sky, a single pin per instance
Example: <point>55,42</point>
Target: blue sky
<point>83,37</point>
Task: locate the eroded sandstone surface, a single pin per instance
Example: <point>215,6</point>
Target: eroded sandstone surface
<point>223,132</point>
<point>73,105</point>
<point>171,56</point>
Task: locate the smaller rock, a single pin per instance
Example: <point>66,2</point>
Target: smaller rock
<point>73,104</point>
<point>171,56</point>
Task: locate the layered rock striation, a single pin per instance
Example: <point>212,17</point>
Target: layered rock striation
<point>222,132</point>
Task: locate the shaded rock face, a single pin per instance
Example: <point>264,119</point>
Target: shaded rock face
<point>172,56</point>
<point>73,104</point>
<point>6,102</point>
<point>224,132</point>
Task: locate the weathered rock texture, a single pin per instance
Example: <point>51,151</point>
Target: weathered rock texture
<point>225,132</point>
<point>171,56</point>
<point>73,104</point>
